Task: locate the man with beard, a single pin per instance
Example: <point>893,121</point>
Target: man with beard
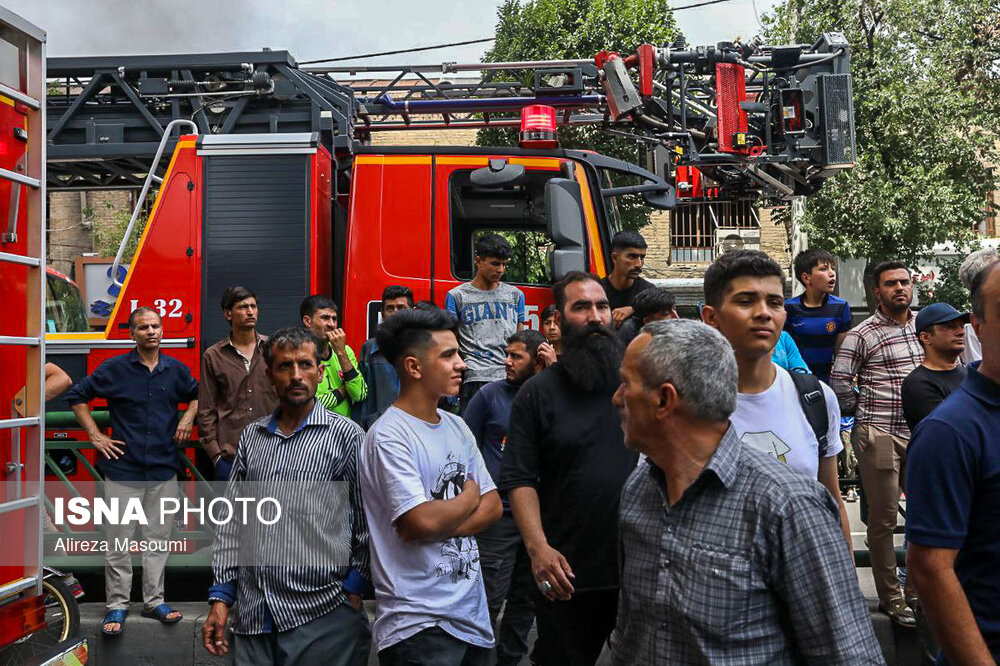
<point>564,467</point>
<point>878,355</point>
<point>504,562</point>
<point>628,254</point>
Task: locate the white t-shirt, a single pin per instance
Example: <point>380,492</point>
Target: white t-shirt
<point>405,462</point>
<point>773,422</point>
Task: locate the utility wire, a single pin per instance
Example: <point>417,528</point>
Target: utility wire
<point>385,53</point>
<point>465,43</point>
<point>697,4</point>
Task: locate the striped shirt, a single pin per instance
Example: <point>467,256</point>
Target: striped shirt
<point>879,354</point>
<point>748,567</point>
<point>300,581</point>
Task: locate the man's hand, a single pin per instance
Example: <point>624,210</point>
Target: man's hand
<point>109,448</point>
<point>547,354</point>
<point>213,631</point>
<point>354,600</point>
<point>621,314</point>
<point>548,565</point>
<point>183,432</point>
<point>338,341</point>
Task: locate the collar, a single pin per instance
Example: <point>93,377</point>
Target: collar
<point>133,357</point>
<point>319,416</point>
<point>885,320</point>
<point>258,338</point>
<point>723,464</point>
<point>981,387</point>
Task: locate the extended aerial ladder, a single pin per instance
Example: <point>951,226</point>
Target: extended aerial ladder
<point>747,120</point>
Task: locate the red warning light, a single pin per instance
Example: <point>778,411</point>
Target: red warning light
<point>538,127</point>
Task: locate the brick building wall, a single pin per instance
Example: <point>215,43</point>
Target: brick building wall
<point>75,216</point>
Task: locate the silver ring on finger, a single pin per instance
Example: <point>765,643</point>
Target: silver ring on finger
<point>545,587</point>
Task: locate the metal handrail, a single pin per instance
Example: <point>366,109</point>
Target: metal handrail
<point>150,177</point>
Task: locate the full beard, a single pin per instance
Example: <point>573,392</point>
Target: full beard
<point>591,357</point>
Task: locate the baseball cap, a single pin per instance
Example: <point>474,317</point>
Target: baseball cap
<point>938,313</point>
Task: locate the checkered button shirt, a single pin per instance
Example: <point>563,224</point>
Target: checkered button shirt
<point>880,353</point>
<point>748,567</point>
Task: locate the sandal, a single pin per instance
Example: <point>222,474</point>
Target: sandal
<point>114,616</point>
<point>161,612</point>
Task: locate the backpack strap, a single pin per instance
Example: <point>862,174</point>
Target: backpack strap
<point>813,406</point>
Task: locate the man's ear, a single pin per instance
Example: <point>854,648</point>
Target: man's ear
<point>708,316</point>
<point>411,366</point>
<point>228,314</point>
<point>977,323</point>
<point>558,317</point>
<point>668,400</point>
<point>307,321</point>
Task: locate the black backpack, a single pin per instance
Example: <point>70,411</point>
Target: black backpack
<point>813,406</point>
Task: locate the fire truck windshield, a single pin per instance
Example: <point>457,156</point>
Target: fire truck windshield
<point>64,311</point>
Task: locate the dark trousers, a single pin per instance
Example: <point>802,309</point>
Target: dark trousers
<point>433,647</point>
<point>223,468</point>
<point>573,633</point>
<point>507,577</point>
<point>340,637</point>
<point>465,394</point>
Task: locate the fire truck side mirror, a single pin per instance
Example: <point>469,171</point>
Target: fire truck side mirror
<point>564,212</point>
<point>499,173</point>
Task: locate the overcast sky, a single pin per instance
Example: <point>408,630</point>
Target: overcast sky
<point>312,29</point>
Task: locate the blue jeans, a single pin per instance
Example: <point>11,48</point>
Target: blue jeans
<point>434,647</point>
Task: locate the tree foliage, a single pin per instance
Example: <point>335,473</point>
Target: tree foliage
<point>574,29</point>
<point>926,78</point>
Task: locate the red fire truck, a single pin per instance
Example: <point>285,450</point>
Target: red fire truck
<point>37,613</point>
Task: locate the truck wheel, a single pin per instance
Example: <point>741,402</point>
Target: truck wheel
<point>62,617</point>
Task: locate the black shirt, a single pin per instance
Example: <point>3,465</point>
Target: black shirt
<point>620,299</point>
<point>568,445</point>
<point>143,405</point>
<point>924,389</point>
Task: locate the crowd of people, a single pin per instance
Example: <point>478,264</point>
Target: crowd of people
<point>622,479</point>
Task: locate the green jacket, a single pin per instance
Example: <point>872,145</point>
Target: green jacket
<point>337,391</point>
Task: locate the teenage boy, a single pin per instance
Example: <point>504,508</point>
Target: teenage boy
<point>794,418</point>
<point>505,563</point>
<point>941,330</point>
<point>380,377</point>
<point>426,492</point>
<point>817,320</point>
<point>488,312</point>
<point>628,254</point>
<point>234,389</point>
<point>650,305</point>
<point>342,385</point>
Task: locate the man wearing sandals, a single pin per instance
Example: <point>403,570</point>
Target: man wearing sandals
<point>144,389</point>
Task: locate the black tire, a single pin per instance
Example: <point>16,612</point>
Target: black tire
<point>62,614</point>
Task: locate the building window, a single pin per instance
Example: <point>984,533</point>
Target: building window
<point>693,225</point>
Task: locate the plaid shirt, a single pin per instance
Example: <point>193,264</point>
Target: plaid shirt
<point>748,567</point>
<point>880,354</point>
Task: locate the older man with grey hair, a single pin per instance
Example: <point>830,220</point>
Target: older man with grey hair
<point>727,555</point>
<point>967,272</point>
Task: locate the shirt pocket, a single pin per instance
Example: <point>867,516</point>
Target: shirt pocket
<point>716,590</point>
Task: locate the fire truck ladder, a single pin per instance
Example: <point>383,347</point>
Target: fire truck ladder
<point>23,493</point>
